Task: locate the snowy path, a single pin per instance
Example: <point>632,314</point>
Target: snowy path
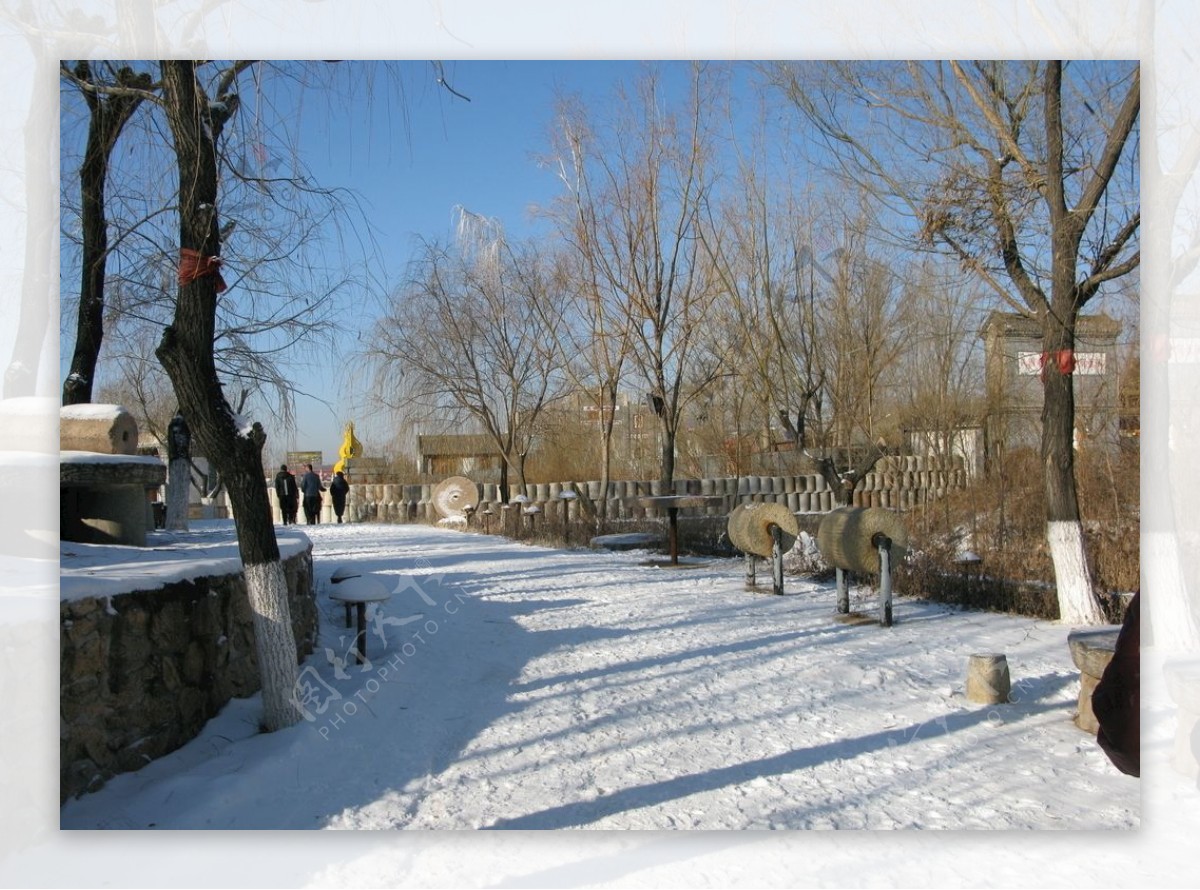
<point>576,689</point>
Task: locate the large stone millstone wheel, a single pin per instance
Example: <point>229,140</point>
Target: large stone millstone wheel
<point>846,538</point>
<point>750,527</point>
<point>451,497</point>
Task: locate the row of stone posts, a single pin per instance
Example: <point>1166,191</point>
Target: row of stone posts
<point>901,483</point>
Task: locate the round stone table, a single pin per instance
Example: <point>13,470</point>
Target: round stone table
<point>673,503</point>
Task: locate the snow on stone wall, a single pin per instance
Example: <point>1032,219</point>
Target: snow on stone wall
<point>143,671</point>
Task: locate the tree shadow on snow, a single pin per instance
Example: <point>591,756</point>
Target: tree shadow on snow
<point>582,813</point>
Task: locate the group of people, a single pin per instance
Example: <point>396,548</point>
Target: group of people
<point>307,491</point>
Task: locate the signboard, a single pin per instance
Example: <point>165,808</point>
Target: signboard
<point>1093,364</point>
<point>298,459</point>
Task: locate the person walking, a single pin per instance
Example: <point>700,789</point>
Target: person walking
<point>338,489</point>
<point>311,488</point>
<point>288,493</point>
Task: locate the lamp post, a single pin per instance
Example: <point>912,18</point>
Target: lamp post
<point>488,513</point>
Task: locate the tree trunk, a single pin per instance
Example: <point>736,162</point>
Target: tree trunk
<point>1064,532</point>
<point>521,473</point>
<point>605,471</point>
<point>89,328</point>
<point>186,352</point>
<point>107,119</point>
<point>667,475</point>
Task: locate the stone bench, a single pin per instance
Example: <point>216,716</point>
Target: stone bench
<point>105,498</point>
<point>105,488</point>
<point>1091,650</point>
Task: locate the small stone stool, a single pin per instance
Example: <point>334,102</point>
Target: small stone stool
<point>1091,650</point>
<point>357,591</point>
<point>988,681</point>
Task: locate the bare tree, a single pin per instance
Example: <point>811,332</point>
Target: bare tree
<point>196,122</point>
<point>760,247</point>
<point>473,332</point>
<point>864,336</point>
<point>597,333</point>
<point>939,364</point>
<point>279,227</point>
<point>1014,168</point>
<point>198,353</point>
<point>642,180</point>
<point>108,115</point>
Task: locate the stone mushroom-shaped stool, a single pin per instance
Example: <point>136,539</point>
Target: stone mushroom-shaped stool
<point>673,503</point>
<point>357,591</point>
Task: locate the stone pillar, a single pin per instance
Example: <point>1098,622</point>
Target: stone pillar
<point>988,682</point>
<point>179,473</point>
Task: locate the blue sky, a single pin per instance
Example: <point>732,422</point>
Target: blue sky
<point>413,159</point>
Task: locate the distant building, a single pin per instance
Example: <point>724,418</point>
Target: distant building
<point>1013,367</point>
<point>473,455</point>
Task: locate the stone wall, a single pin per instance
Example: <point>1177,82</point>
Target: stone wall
<point>142,672</point>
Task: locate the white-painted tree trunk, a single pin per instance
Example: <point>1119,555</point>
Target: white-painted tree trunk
<point>1077,602</point>
<point>179,477</point>
<point>266,586</point>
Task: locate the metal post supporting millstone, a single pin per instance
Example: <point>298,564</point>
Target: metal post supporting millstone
<point>777,559</point>
<point>884,543</point>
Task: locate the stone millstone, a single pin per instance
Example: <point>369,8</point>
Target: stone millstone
<point>102,429</point>
<point>452,496</point>
<point>750,527</point>
<point>846,535</point>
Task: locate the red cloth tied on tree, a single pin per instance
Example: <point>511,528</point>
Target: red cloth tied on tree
<point>1063,360</point>
<point>193,265</point>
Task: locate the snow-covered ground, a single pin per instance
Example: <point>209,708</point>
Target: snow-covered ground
<point>510,686</point>
<point>544,688</point>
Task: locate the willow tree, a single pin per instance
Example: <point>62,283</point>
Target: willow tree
<point>1027,173</point>
<point>473,335</point>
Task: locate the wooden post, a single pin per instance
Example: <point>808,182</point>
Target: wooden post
<point>843,593</point>
<point>884,543</point>
<point>777,559</point>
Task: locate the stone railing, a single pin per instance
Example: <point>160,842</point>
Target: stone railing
<point>900,483</point>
